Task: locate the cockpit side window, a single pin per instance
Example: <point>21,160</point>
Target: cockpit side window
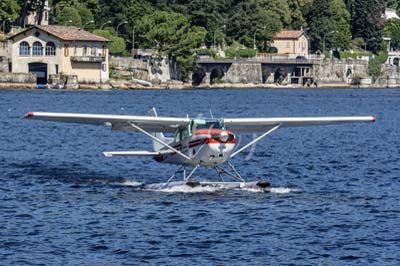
<point>178,135</point>
<point>181,134</point>
<point>184,133</point>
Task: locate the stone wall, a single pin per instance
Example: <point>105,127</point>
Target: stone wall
<point>17,78</point>
<point>339,71</point>
<point>144,69</point>
<point>243,73</point>
<point>4,63</point>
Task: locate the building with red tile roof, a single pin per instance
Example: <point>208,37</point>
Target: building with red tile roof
<point>292,42</point>
<point>51,50</point>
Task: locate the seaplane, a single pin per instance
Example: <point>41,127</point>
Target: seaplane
<point>198,142</point>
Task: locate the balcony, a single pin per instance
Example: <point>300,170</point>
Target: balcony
<point>88,59</point>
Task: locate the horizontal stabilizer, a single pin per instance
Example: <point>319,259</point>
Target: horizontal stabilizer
<point>135,153</point>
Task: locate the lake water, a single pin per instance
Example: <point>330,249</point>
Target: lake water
<point>335,197</point>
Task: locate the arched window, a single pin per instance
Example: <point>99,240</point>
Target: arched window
<point>24,48</point>
<point>37,49</point>
<point>50,49</point>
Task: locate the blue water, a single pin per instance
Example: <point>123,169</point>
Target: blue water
<point>335,199</point>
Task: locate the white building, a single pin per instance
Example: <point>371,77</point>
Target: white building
<point>390,14</point>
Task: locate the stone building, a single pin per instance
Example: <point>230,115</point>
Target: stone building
<point>34,18</point>
<point>55,50</point>
<point>291,42</point>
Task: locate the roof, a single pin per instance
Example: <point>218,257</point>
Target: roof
<point>391,14</point>
<point>289,34</point>
<point>68,33</point>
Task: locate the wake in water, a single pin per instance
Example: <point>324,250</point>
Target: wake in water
<point>181,187</point>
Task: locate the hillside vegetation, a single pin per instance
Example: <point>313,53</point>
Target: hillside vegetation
<point>178,28</point>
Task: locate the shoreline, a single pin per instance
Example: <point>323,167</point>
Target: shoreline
<point>129,86</point>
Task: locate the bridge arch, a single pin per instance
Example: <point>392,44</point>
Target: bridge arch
<point>279,75</point>
<point>217,75</point>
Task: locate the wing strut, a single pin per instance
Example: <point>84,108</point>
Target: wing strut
<point>256,140</point>
<point>159,141</point>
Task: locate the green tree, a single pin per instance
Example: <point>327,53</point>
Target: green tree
<point>8,10</point>
<point>86,16</point>
<point>281,8</point>
<point>392,30</point>
<point>66,14</point>
<point>210,15</point>
<point>297,19</point>
<point>375,65</point>
<point>329,23</point>
<point>368,22</point>
<point>247,18</point>
<point>173,36</point>
<point>117,44</point>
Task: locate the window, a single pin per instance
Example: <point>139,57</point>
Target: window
<point>96,50</point>
<point>207,124</point>
<point>85,50</point>
<point>50,49</point>
<point>37,49</point>
<point>24,49</point>
<point>66,50</point>
<point>75,50</point>
<point>287,44</point>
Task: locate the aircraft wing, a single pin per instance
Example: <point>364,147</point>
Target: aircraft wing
<point>136,153</point>
<point>116,122</point>
<point>253,125</point>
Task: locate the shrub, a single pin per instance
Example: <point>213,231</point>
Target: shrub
<point>241,53</point>
<point>204,51</point>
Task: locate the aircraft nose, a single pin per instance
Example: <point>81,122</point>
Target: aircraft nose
<point>224,136</point>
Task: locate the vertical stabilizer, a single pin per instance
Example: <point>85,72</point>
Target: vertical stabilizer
<point>157,146</point>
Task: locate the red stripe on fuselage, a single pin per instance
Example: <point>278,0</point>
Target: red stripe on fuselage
<point>210,131</point>
<point>207,132</point>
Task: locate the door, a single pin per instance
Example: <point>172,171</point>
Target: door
<point>40,70</point>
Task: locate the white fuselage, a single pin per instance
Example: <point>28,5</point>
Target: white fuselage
<point>206,147</point>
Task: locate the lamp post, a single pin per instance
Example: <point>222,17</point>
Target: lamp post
<point>4,25</point>
<point>223,26</point>
<point>254,38</point>
<point>365,45</point>
<point>120,24</point>
<point>133,40</point>
<point>105,23</point>
<point>66,22</point>
<point>323,45</point>
<point>84,25</point>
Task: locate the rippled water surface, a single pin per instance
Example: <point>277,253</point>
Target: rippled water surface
<point>335,199</point>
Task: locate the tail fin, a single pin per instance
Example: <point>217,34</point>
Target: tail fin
<point>157,146</point>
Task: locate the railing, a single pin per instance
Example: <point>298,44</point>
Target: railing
<point>90,59</point>
<point>211,60</point>
<point>309,60</point>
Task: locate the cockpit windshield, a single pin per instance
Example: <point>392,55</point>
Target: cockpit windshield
<point>207,124</point>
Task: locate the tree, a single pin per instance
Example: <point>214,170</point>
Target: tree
<point>86,16</point>
<point>117,44</point>
<point>247,18</point>
<point>30,6</point>
<point>281,8</point>
<point>329,23</point>
<point>368,22</point>
<point>9,10</point>
<point>392,30</point>
<point>69,13</point>
<point>297,19</point>
<point>173,36</point>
